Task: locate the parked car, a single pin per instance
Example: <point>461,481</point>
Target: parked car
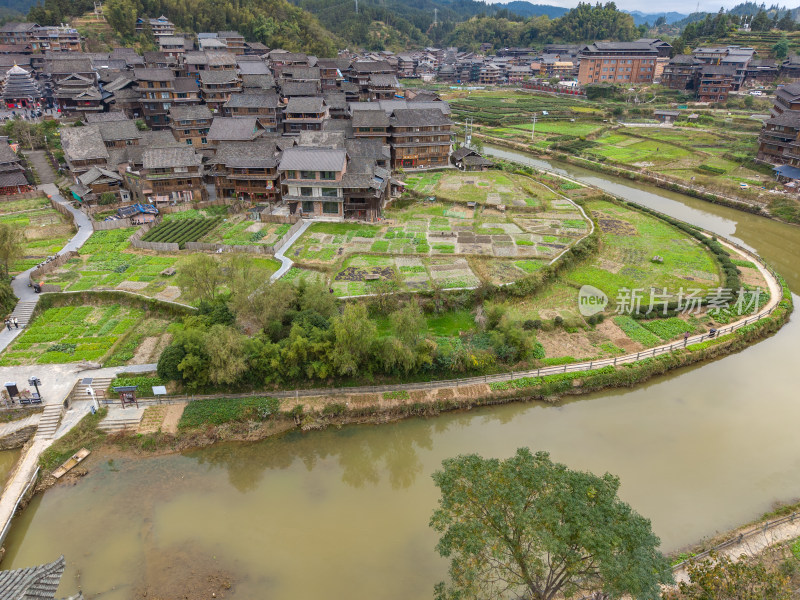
<point>756,93</point>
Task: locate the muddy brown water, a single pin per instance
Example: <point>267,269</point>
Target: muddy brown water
<point>344,512</point>
<point>8,458</point>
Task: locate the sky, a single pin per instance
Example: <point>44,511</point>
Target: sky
<point>648,6</point>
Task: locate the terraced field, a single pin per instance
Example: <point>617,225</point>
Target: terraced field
<point>446,244</point>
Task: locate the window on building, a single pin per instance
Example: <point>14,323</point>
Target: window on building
<point>308,207</point>
<point>308,175</point>
<point>306,191</point>
<point>189,141</point>
<point>203,141</point>
<point>330,208</point>
<point>330,192</point>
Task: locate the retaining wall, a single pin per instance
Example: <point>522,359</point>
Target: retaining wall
<point>136,240</point>
<point>60,260</point>
<point>282,219</point>
<point>287,236</point>
<point>115,224</point>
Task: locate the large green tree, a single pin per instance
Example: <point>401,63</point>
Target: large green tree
<point>527,527</point>
<point>10,246</point>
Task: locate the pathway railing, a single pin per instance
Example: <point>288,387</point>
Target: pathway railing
<point>761,529</point>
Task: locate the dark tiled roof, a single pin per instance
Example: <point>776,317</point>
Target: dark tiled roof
<point>296,72</point>
<point>255,154</point>
<point>165,158</point>
<point>7,154</point>
<point>233,128</point>
<point>335,100</point>
<point>218,58</point>
<point>65,66</point>
<point>83,143</point>
<point>153,74</point>
<point>383,79</point>
<point>185,85</point>
<point>371,66</point>
<point>788,118</point>
<point>253,100</point>
<point>253,67</point>
<point>299,88</point>
<point>313,159</point>
<point>32,583</point>
<point>304,105</point>
<point>217,77</point>
<point>370,118</point>
<point>189,112</point>
<point>112,131</point>
<point>15,27</point>
<point>258,82</point>
<point>195,57</point>
<point>414,117</point>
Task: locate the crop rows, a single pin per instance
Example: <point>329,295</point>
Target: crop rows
<point>181,231</point>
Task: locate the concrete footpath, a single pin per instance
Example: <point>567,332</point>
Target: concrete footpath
<point>286,262</point>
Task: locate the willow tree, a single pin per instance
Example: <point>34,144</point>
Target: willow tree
<point>527,527</point>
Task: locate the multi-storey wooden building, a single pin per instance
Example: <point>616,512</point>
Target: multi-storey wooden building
<point>312,180</point>
<point>779,140</point>
<point>713,82</point>
<point>247,170</point>
<point>173,174</point>
<point>304,114</point>
<point>265,106</point>
<point>234,41</point>
<point>157,89</point>
<point>216,87</point>
<point>420,138</point>
<point>190,124</point>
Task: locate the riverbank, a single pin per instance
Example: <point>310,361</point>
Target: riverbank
<point>339,408</point>
<point>641,176</point>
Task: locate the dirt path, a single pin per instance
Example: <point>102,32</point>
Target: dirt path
<point>172,417</point>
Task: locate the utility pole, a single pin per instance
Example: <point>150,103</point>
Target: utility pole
<point>468,132</point>
<point>533,127</point>
<point>356,6</point>
<point>435,17</point>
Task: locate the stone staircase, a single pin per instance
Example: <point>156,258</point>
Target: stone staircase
<point>121,419</point>
<point>23,311</point>
<point>48,423</point>
<point>98,384</point>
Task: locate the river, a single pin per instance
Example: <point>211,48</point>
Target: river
<point>344,512</point>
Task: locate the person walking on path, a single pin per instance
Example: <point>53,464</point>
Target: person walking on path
<point>685,339</point>
<point>16,322</point>
<point>8,324</point>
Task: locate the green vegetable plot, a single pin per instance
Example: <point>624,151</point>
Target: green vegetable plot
<point>180,231</point>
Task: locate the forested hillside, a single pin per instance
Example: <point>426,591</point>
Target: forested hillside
<point>584,23</point>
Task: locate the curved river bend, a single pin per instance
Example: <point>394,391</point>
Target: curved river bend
<point>344,513</point>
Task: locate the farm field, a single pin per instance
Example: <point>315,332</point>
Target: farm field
<point>491,188</point>
<point>237,230</point>
<point>180,231</point>
<point>629,241</point>
<point>45,231</point>
<point>72,334</point>
<point>424,245</point>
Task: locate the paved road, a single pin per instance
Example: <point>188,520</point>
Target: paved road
<point>41,164</point>
<point>285,260</point>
